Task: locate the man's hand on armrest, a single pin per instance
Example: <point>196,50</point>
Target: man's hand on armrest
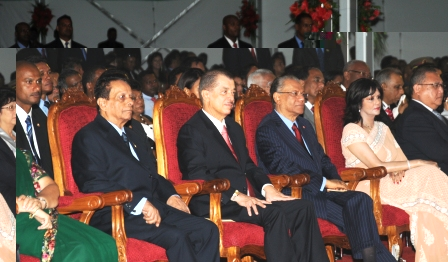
<point>336,184</point>
<point>273,194</point>
<point>151,214</point>
<point>177,202</point>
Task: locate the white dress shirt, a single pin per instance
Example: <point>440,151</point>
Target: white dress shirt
<point>22,115</point>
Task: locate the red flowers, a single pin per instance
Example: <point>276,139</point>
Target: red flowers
<point>41,17</point>
<point>320,11</point>
<point>248,18</point>
<point>367,15</point>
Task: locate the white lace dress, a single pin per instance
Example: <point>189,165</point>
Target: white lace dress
<point>422,193</point>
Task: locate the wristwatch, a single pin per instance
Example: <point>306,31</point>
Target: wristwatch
<point>235,194</point>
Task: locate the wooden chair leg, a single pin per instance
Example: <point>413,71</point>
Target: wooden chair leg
<point>233,254</point>
<point>393,239</point>
<point>247,259</point>
<point>330,252</point>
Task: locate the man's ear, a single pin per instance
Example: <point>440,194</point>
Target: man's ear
<point>101,102</point>
<point>383,86</point>
<point>417,89</point>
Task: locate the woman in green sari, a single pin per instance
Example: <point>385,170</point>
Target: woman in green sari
<point>42,232</point>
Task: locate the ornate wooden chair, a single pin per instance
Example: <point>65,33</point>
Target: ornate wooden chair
<point>65,118</point>
<point>171,111</point>
<point>328,114</point>
<point>250,109</point>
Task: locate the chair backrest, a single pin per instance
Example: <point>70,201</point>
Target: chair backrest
<point>328,116</point>
<point>250,109</point>
<point>65,119</point>
<point>171,111</point>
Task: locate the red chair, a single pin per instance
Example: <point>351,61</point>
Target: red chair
<point>65,119</point>
<point>328,114</point>
<point>171,111</point>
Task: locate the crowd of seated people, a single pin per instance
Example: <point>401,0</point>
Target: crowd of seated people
<point>141,90</point>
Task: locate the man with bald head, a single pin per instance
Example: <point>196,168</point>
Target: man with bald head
<point>353,70</point>
<point>421,131</point>
<point>31,122</point>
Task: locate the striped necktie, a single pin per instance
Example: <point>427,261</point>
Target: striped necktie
<point>29,133</point>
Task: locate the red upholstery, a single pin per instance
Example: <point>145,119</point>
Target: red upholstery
<point>393,216</point>
<point>254,112</point>
<point>25,258</point>
<point>139,250</point>
<point>240,234</point>
<point>328,229</point>
<point>174,117</point>
<point>71,120</point>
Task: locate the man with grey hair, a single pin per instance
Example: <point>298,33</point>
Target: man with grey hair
<point>212,145</point>
<point>287,144</point>
<point>69,78</point>
<point>262,78</point>
<point>353,70</point>
<point>391,82</point>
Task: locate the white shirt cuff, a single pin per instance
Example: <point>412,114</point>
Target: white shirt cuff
<point>139,207</point>
<point>324,181</point>
<point>263,193</point>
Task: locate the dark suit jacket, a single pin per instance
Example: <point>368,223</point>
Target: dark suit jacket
<point>222,43</point>
<point>102,162</point>
<point>8,175</point>
<point>95,56</point>
<point>58,44</point>
<point>236,59</point>
<point>40,129</point>
<point>291,43</point>
<point>279,152</point>
<point>108,44</point>
<point>383,117</point>
<point>333,57</point>
<point>421,135</point>
<point>203,154</point>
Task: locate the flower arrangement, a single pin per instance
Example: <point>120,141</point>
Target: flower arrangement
<point>320,11</point>
<point>248,18</point>
<point>41,18</point>
<point>368,14</point>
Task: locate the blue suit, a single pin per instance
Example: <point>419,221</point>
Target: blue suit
<point>278,151</point>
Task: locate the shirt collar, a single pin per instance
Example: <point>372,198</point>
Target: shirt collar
<point>231,42</point>
<point>69,43</point>
<point>385,106</point>
<point>21,45</point>
<point>309,105</point>
<point>299,42</point>
<point>218,124</point>
<point>146,97</point>
<point>285,120</point>
<point>420,102</point>
<point>22,115</point>
<point>120,131</point>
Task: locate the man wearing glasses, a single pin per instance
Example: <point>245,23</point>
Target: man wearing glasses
<point>354,70</point>
<point>421,131</point>
<point>287,144</point>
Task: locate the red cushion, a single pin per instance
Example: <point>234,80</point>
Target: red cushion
<point>173,118</point>
<point>25,258</point>
<point>394,216</point>
<point>239,234</point>
<point>254,112</point>
<point>71,120</point>
<point>328,229</point>
<point>142,251</point>
<point>332,113</point>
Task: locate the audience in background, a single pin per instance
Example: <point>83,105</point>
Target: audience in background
<point>190,80</point>
<point>262,78</point>
<point>89,80</point>
<point>353,70</point>
<point>111,41</point>
<point>64,34</point>
<point>23,37</point>
<point>278,63</point>
<point>172,60</point>
<point>155,65</point>
<point>54,95</point>
<point>69,78</point>
<point>231,31</point>
<point>334,77</point>
<point>150,89</point>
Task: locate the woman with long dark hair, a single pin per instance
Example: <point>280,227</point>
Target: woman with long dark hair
<point>417,186</point>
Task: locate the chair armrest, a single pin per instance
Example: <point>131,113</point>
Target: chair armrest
<point>117,197</point>
<point>376,172</point>
<point>353,174</point>
<point>279,181</point>
<point>86,203</point>
<point>214,186</point>
<point>296,183</point>
<point>187,190</point>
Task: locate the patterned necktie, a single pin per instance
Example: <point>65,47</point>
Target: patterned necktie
<point>66,45</point>
<point>320,56</point>
<point>29,133</point>
<point>225,135</point>
<point>234,45</point>
<point>439,116</point>
<point>252,51</point>
<point>389,113</point>
<point>47,104</point>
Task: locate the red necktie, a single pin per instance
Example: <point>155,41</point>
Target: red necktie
<point>153,99</point>
<point>312,109</point>
<point>298,135</point>
<point>389,113</point>
<point>225,135</point>
<point>252,51</point>
<point>234,45</point>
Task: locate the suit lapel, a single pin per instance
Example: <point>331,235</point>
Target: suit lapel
<point>308,137</point>
<point>439,126</point>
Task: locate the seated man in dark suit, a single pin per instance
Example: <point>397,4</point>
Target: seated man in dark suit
<point>421,131</point>
<point>107,156</point>
<point>392,83</point>
<point>111,41</point>
<point>287,144</point>
<point>22,34</point>
<point>64,29</point>
<point>212,145</point>
<point>231,28</point>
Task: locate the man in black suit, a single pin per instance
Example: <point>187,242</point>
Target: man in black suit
<point>421,131</point>
<point>302,26</point>
<point>64,30</point>
<point>22,34</point>
<point>237,59</point>
<point>31,125</point>
<point>392,83</point>
<point>231,28</point>
<point>111,41</point>
<point>287,144</point>
<point>212,145</point>
<point>106,156</point>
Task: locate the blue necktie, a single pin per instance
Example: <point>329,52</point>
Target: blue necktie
<point>84,54</point>
<point>29,133</point>
<point>47,104</point>
<point>320,56</point>
<point>66,44</point>
<point>439,116</point>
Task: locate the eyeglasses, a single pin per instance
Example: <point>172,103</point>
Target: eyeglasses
<point>294,94</point>
<point>435,85</point>
<point>364,74</point>
<point>10,108</point>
